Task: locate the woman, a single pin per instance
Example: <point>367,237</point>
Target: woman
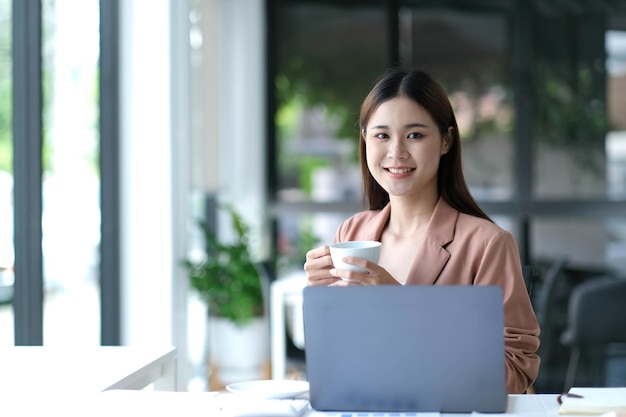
<point>431,229</point>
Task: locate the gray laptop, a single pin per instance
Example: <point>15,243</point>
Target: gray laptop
<point>405,348</point>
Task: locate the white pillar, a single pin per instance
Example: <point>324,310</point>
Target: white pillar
<point>243,127</point>
<point>146,172</point>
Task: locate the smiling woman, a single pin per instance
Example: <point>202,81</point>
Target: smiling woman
<point>431,230</point>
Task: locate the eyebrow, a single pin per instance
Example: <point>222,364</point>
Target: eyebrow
<point>410,125</point>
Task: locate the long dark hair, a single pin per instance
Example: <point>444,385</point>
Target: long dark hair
<point>425,91</point>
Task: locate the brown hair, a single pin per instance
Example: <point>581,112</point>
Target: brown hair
<point>425,91</point>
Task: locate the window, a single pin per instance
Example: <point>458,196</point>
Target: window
<point>71,175</point>
<point>57,83</point>
<point>327,56</point>
<point>7,256</point>
<point>536,88</point>
<point>470,54</point>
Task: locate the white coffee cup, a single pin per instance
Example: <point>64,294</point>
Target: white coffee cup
<point>367,249</point>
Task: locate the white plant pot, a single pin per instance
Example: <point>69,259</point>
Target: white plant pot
<point>239,353</point>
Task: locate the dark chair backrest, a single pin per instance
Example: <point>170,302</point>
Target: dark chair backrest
<point>545,306</point>
<point>597,313</point>
<point>546,297</point>
<point>528,272</point>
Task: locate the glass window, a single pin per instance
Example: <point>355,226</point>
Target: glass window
<point>327,58</point>
<point>584,241</point>
<point>580,134</point>
<point>469,52</point>
<point>616,103</point>
<point>6,179</point>
<point>71,208</point>
<point>579,126</point>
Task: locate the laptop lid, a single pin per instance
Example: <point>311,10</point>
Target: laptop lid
<point>405,348</point>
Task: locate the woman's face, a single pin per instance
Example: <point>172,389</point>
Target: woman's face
<point>403,148</point>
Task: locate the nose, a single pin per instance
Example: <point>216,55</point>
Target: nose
<point>397,149</point>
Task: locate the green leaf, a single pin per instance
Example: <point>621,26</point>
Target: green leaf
<point>228,280</point>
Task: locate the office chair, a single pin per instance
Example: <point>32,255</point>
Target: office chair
<point>596,318</point>
<point>528,272</point>
<point>545,307</point>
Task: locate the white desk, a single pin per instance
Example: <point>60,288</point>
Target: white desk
<point>196,404</point>
<point>52,370</point>
<point>527,405</point>
<point>132,403</point>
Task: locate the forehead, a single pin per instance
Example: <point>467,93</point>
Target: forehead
<point>399,110</point>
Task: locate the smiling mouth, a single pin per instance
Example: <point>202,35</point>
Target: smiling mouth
<point>399,170</point>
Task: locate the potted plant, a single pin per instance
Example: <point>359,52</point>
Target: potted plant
<point>228,280</point>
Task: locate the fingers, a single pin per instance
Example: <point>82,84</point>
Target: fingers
<point>349,275</point>
<point>317,253</point>
<point>323,281</point>
<point>374,275</point>
<point>319,270</point>
<point>361,276</point>
<point>318,265</point>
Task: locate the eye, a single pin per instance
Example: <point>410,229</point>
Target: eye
<point>415,135</point>
<point>381,135</point>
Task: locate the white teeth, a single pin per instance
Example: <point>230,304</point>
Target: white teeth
<point>398,170</point>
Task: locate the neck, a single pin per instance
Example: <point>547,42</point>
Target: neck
<point>410,216</point>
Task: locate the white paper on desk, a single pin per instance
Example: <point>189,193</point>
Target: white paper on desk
<point>594,401</point>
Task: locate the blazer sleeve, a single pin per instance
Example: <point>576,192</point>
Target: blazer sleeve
<point>501,266</point>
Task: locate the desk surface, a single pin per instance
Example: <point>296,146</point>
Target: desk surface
<point>51,369</point>
<point>528,405</point>
<point>122,403</point>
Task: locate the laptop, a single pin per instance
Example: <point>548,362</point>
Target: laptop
<point>405,348</point>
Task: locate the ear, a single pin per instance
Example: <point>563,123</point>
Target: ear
<point>446,142</point>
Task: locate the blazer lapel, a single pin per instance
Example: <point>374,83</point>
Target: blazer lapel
<point>373,230</point>
<point>432,256</point>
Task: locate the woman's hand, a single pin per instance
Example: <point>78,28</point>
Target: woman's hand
<point>375,275</point>
<point>318,265</point>
<point>319,270</point>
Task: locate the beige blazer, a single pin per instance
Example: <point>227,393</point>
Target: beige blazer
<point>461,249</point>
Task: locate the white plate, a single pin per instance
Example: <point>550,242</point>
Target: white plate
<point>270,388</point>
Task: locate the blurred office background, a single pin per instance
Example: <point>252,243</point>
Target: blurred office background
<point>136,115</point>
